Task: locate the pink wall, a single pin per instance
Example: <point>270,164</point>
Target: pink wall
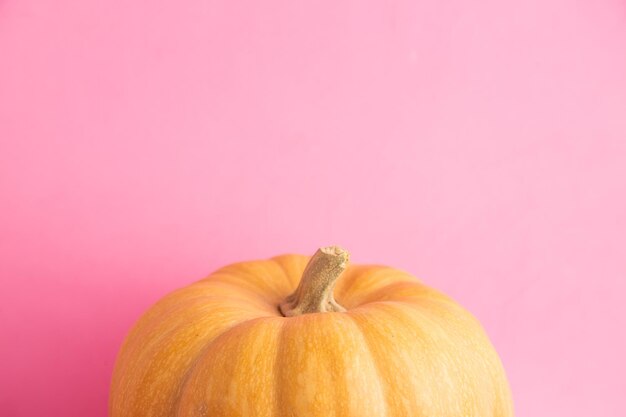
<point>480,146</point>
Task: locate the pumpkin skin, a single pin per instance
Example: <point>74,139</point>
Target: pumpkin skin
<point>221,347</point>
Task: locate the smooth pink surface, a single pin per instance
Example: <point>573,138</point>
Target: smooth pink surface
<point>479,145</point>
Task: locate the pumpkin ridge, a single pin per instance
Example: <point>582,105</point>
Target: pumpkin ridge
<point>201,354</point>
<point>293,282</point>
<point>383,390</point>
<point>263,283</point>
<point>324,375</point>
<point>453,338</point>
<point>278,392</point>
<point>361,279</point>
<point>501,390</point>
<point>379,293</point>
<point>248,293</point>
<point>165,337</point>
<point>411,365</point>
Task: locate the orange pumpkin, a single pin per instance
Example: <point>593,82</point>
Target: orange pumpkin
<point>267,338</point>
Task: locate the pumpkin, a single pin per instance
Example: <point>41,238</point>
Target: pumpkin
<point>287,337</point>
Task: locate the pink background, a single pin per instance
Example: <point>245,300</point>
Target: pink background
<point>480,146</point>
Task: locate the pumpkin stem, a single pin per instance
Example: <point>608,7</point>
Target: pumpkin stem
<point>315,291</point>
